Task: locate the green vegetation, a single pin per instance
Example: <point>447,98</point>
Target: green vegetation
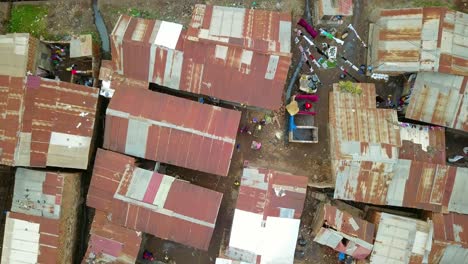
<point>137,13</point>
<point>350,87</point>
<point>29,19</point>
<point>428,3</point>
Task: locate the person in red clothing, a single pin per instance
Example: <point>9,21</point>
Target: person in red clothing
<point>148,255</point>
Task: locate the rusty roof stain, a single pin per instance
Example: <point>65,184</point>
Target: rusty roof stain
<point>45,122</point>
<point>419,39</point>
<point>337,224</point>
<point>233,54</point>
<point>39,237</point>
<point>450,238</point>
<point>172,130</point>
<point>440,99</point>
<point>151,202</point>
<point>387,162</point>
<point>110,243</point>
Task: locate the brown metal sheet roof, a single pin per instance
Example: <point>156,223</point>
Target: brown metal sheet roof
<point>440,99</point>
<point>257,193</point>
<point>110,243</point>
<point>378,160</point>
<point>172,130</point>
<point>450,232</point>
<point>337,225</point>
<point>153,203</point>
<point>47,233</point>
<point>46,122</point>
<point>419,39</point>
<point>344,222</point>
<point>206,60</point>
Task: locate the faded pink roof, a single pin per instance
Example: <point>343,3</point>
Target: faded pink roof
<point>38,237</point>
<point>334,8</point>
<point>358,232</point>
<point>110,243</point>
<point>172,130</point>
<point>45,122</point>
<point>233,54</point>
<point>151,202</point>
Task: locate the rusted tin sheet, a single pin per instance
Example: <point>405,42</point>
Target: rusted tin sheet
<point>110,243</point>
<point>207,64</point>
<point>11,100</point>
<point>337,225</point>
<point>440,99</point>
<point>419,39</point>
<point>49,123</point>
<point>344,222</point>
<point>258,30</point>
<point>378,160</point>
<point>259,188</point>
<point>39,233</point>
<point>422,143</point>
<point>450,238</point>
<point>170,129</point>
<point>153,203</point>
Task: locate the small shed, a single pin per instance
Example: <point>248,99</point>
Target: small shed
<point>332,11</point>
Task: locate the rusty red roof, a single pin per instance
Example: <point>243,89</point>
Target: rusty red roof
<point>440,99</point>
<point>151,202</point>
<point>378,160</point>
<point>233,54</point>
<point>172,130</point>
<point>269,206</point>
<point>450,238</point>
<point>110,243</point>
<point>419,39</point>
<point>337,224</point>
<point>46,122</point>
<point>31,239</point>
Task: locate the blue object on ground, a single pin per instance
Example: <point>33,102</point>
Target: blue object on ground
<point>341,256</point>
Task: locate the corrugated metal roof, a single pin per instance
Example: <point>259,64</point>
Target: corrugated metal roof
<point>269,206</point>
<point>217,57</point>
<point>334,7</point>
<point>81,46</point>
<point>440,99</point>
<point>337,224</point>
<point>151,202</point>
<point>14,53</point>
<point>172,130</point>
<point>110,243</point>
<point>45,122</point>
<point>30,239</point>
<point>38,193</point>
<point>401,240</point>
<point>419,39</point>
<point>390,163</point>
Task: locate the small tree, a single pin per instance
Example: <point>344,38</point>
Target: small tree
<point>350,87</point>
